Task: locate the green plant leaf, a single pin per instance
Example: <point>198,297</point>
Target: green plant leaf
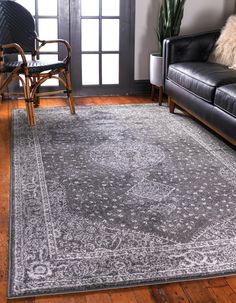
<point>170,19</point>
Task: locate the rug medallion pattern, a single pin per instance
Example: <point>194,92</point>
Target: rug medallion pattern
<point>116,196</point>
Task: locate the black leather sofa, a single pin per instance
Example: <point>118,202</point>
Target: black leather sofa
<point>205,90</point>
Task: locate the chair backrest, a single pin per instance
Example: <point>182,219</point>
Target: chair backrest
<point>16,26</point>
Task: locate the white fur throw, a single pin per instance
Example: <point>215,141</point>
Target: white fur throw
<point>225,48</point>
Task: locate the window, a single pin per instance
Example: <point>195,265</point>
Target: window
<point>46,21</point>
<point>102,45</point>
<point>100,41</point>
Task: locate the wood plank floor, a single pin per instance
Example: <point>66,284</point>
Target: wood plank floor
<point>221,290</point>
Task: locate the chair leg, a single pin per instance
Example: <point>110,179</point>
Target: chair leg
<point>31,112</point>
<point>69,92</point>
<point>168,101</point>
<point>1,81</point>
<point>171,105</point>
<point>36,99</point>
<point>29,103</point>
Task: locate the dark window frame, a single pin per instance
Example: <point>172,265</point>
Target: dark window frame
<point>126,51</point>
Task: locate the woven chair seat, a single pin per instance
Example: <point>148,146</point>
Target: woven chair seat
<point>35,66</point>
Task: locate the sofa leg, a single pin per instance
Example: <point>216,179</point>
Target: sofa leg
<point>168,101</point>
<point>171,105</point>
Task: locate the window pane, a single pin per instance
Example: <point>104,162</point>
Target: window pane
<point>90,69</point>
<point>110,69</point>
<point>44,57</point>
<point>51,82</point>
<point>89,7</point>
<point>28,4</point>
<point>48,31</point>
<point>90,35</point>
<point>28,57</point>
<point>110,34</point>
<point>49,58</point>
<point>47,8</point>
<point>23,77</point>
<point>110,7</point>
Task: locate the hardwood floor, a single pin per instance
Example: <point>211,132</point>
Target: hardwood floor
<point>222,290</point>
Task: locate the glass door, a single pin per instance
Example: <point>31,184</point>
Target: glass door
<point>102,50</point>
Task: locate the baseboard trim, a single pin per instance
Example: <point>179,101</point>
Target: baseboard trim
<point>141,87</point>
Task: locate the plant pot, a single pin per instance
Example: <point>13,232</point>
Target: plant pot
<point>156,67</point>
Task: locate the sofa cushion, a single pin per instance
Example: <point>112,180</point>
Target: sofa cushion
<point>226,98</point>
<point>201,78</point>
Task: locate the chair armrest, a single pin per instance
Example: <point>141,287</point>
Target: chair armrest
<point>66,44</point>
<point>18,49</point>
<point>189,48</point>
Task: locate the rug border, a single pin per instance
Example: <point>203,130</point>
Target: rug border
<point>10,216</point>
<point>131,285</point>
<point>11,219</point>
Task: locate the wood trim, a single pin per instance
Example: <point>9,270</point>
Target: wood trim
<point>173,103</point>
<point>140,87</point>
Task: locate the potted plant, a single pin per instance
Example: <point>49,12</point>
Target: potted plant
<point>169,22</point>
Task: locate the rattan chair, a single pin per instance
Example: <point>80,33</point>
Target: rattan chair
<point>18,36</point>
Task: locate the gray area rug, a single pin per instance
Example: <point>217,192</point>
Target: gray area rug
<point>116,196</point>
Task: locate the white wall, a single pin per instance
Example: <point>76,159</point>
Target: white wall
<point>199,16</point>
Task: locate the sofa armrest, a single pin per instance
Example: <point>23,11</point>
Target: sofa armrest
<point>189,48</point>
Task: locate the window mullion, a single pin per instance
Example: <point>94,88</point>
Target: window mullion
<point>100,42</point>
<point>37,24</point>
